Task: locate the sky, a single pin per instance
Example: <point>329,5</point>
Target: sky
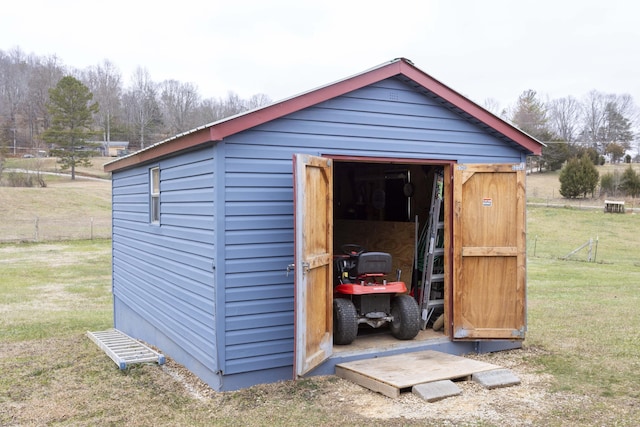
<point>490,49</point>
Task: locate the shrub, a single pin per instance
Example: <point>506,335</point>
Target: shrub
<point>19,179</point>
<point>610,182</point>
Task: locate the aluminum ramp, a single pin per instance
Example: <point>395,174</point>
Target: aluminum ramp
<point>123,349</point>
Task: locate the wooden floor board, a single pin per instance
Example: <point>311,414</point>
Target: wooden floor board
<point>389,375</point>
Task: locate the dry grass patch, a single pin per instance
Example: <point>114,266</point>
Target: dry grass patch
<point>69,381</point>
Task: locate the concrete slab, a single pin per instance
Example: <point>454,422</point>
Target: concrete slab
<point>496,378</point>
<point>436,390</point>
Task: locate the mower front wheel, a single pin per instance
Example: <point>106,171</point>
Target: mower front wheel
<point>345,321</point>
<point>406,317</point>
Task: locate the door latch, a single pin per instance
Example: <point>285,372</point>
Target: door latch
<point>305,268</point>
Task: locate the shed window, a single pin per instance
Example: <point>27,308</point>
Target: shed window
<point>154,199</point>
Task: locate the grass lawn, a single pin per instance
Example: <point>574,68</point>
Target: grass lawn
<point>580,364</point>
<point>64,209</point>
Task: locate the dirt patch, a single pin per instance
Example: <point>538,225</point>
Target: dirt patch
<point>522,405</point>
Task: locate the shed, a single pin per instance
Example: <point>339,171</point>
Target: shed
<point>114,148</point>
<point>223,235</point>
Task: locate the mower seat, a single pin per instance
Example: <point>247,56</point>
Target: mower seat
<point>373,262</point>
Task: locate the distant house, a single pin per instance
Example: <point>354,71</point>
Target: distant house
<point>223,236</point>
<point>114,148</point>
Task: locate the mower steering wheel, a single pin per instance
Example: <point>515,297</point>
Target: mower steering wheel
<point>351,249</point>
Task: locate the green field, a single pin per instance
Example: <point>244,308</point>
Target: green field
<point>62,210</point>
<point>580,363</point>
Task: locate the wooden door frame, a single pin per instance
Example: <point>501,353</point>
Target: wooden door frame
<point>447,166</point>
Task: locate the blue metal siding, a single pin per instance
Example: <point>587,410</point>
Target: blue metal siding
<point>389,119</point>
<point>164,274</point>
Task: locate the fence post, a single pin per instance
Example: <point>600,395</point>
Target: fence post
<point>91,234</point>
<point>36,229</point>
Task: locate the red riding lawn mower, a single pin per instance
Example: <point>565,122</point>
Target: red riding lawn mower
<point>363,296</point>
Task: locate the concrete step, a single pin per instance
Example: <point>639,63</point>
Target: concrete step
<point>436,390</point>
<point>496,378</point>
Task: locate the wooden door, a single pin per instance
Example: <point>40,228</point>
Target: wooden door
<point>489,256</point>
<point>313,211</point>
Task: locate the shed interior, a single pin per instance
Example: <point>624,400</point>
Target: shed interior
<point>386,207</point>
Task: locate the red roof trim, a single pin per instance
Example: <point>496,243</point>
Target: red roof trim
<point>180,143</point>
<point>218,131</point>
<point>472,109</point>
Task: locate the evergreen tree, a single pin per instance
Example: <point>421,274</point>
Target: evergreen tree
<point>630,182</point>
<point>578,178</point>
<point>554,155</point>
<point>530,116</point>
<point>616,128</point>
<point>590,176</point>
<point>615,150</point>
<point>72,113</point>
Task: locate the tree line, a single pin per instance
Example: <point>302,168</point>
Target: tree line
<point>580,134</point>
<point>143,112</point>
<point>599,125</point>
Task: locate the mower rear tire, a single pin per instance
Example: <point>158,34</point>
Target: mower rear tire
<point>345,321</point>
<point>406,317</point>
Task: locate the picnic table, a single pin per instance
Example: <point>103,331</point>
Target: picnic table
<point>614,206</point>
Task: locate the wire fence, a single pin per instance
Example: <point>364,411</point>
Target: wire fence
<point>42,230</point>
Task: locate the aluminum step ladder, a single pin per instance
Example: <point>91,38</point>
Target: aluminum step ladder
<point>429,305</point>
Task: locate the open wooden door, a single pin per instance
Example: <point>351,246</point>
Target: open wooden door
<point>313,211</point>
<point>489,259</point>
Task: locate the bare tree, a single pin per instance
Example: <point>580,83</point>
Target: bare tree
<point>178,101</point>
<point>141,105</point>
<point>210,110</point>
<point>258,100</point>
<point>593,116</point>
<point>607,119</point>
<point>13,91</point>
<point>45,74</point>
<point>105,82</point>
<point>492,105</point>
<point>564,117</point>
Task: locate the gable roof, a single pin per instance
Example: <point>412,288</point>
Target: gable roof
<point>400,67</point>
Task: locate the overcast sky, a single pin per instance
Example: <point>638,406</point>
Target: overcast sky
<point>482,49</point>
